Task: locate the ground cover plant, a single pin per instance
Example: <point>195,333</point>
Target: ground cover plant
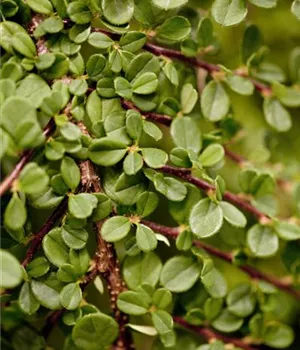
<point>150,160</point>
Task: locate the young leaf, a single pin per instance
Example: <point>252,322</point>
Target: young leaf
<point>27,302</point>
<point>206,218</point>
<point>229,12</point>
<point>145,238</point>
<point>11,271</point>
<point>184,240</point>
<point>162,298</point>
<point>70,173</point>
<point>94,331</point>
<point>214,101</point>
<point>276,115</point>
<point>15,214</point>
<point>116,228</point>
<point>71,296</point>
<point>179,274</point>
<point>174,29</point>
<point>212,155</point>
<point>234,216</point>
<point>82,205</point>
<point>162,321</point>
<point>132,303</point>
<point>262,241</point>
<point>147,203</point>
<point>188,98</point>
<point>186,134</point>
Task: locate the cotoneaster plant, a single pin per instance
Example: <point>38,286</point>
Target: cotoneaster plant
<point>150,196</point>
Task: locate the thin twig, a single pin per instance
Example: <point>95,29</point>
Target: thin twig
<point>25,158</point>
<point>185,174</point>
<point>210,335</point>
<point>37,238</point>
<point>173,232</point>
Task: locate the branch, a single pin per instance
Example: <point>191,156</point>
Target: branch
<point>185,174</point>
<point>25,158</point>
<point>210,334</point>
<point>105,260</point>
<point>48,225</point>
<point>155,117</point>
<point>173,232</point>
<point>209,67</point>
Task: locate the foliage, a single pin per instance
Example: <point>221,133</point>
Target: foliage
<point>118,124</point>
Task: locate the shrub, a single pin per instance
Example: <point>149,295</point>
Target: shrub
<point>151,196</point>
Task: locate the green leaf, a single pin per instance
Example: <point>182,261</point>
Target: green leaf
<point>214,282</point>
<point>296,8</point>
<point>227,322</point>
<point>174,29</point>
<point>134,124</point>
<point>82,205</point>
<point>276,115</point>
<point>7,31</point>
<point>232,215</point>
<point>104,207</point>
<point>184,240</point>
<point>186,134</point>
<point>116,228</point>
<point>179,274</point>
<point>80,259</point>
<point>240,300</point>
<point>154,157</point>
<point>214,102</point>
<point>9,8</point>
<point>132,303</point>
<point>71,296</point>
<point>240,85</point>
<point>46,295</point>
<point>188,98</point>
<point>287,231</point>
<point>74,238</point>
<point>169,5</point>
<point>162,298</point>
<point>171,73</point>
<point>152,130</point>
<point>278,335</point>
<point>79,12</point>
<point>22,43</point>
<point>140,269</point>
<point>15,214</point>
<point>262,241</point>
<point>142,63</point>
<point>33,179</point>
<point>107,151</point>
<point>70,173</point>
<point>45,61</point>
<point>162,321</point>
<point>133,163</point>
<point>100,41</point>
<point>53,25</point>
<point>206,218</point>
<point>71,317</point>
<point>59,68</point>
<point>147,203</point>
<point>38,267</point>
<point>145,238</point>
<point>34,89</point>
<point>11,271</point>
<point>173,189</point>
<point>212,155</point>
<point>133,41</point>
<point>204,32</point>
<point>78,87</point>
<point>95,331</point>
<point>180,158</point>
<point>40,6</point>
<point>27,302</point>
<point>264,3</point>
<point>25,338</point>
<point>55,249</point>
<point>145,84</point>
<point>79,33</point>
<point>66,273</point>
<point>251,42</point>
<point>123,87</point>
<point>289,97</point>
<point>212,308</point>
<point>118,12</point>
<point>229,12</point>
<point>148,330</point>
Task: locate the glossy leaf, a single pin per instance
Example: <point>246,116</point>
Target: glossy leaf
<point>116,228</point>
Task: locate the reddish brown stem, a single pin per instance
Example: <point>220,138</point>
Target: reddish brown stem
<point>237,158</point>
<point>173,232</point>
<point>25,158</point>
<point>209,334</point>
<point>155,117</point>
<point>185,174</point>
<point>37,239</point>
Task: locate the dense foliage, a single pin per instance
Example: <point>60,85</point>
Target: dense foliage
<point>150,153</point>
